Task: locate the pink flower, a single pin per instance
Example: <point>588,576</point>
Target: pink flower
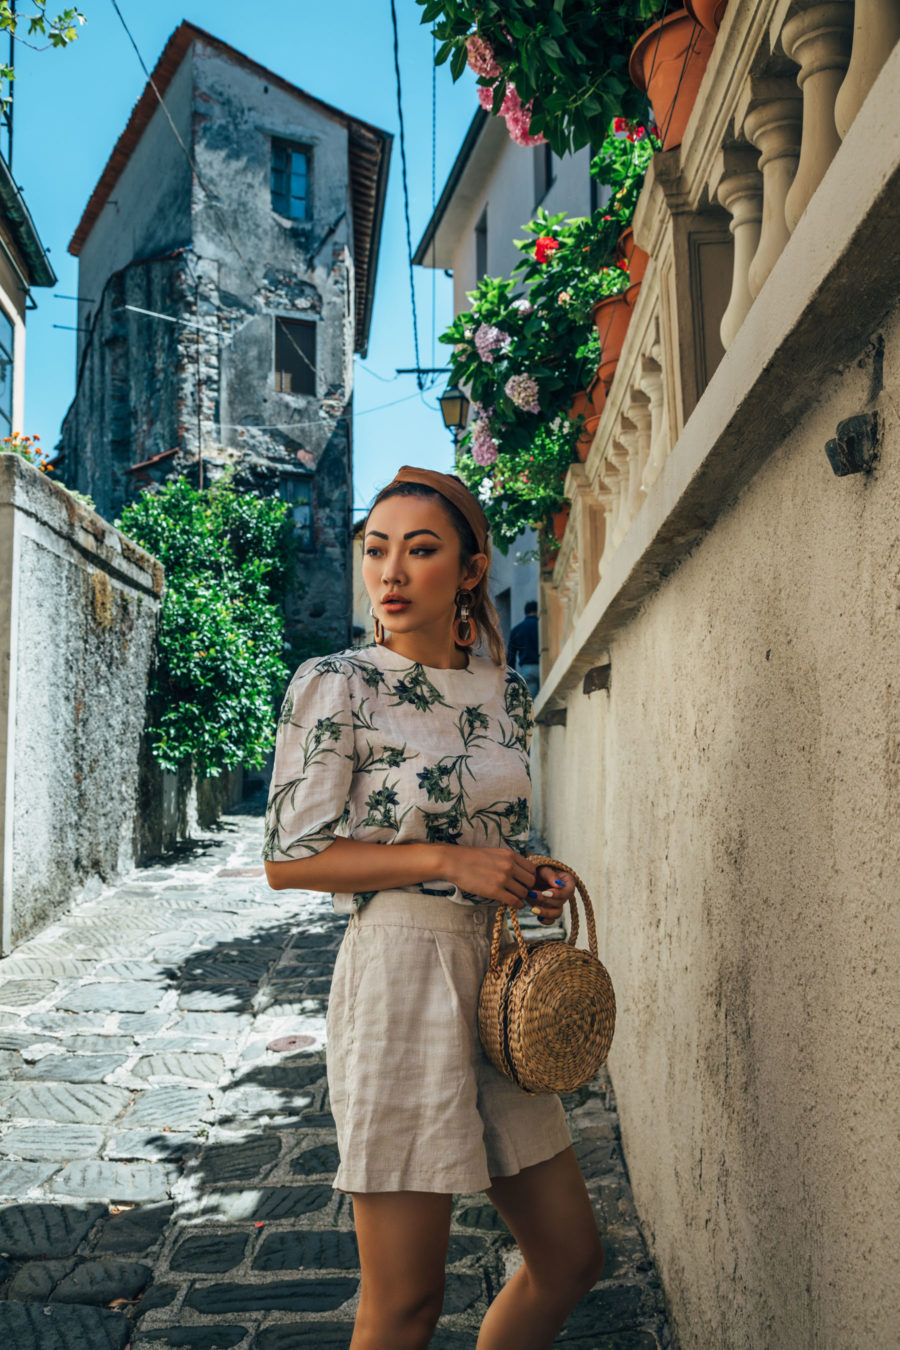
<point>523,306</point>
<point>489,340</point>
<point>481,57</point>
<point>522,390</point>
<point>485,97</point>
<point>518,118</point>
<point>483,446</point>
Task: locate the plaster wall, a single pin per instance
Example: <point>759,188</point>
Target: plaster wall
<point>149,210</point>
<point>509,196</point>
<point>734,799</point>
<point>281,267</point>
<point>78,606</point>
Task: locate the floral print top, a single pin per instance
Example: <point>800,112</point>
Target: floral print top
<point>374,746</point>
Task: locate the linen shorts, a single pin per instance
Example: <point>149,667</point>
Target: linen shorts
<point>418,1105</point>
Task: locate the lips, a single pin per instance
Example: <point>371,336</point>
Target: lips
<point>395,603</point>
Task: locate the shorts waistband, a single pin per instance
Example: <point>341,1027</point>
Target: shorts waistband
<point>412,909</point>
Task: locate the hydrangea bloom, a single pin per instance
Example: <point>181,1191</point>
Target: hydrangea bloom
<point>523,306</point>
<point>523,391</point>
<point>485,97</point>
<point>518,118</point>
<point>481,58</point>
<point>483,446</point>
<point>489,340</point>
<point>517,115</point>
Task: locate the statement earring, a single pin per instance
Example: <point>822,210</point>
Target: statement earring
<point>464,629</point>
<point>378,626</point>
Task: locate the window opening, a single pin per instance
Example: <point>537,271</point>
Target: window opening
<point>290,180</point>
<point>481,243</point>
<point>295,356</point>
<point>544,176</point>
<point>6,373</point>
<point>298,493</point>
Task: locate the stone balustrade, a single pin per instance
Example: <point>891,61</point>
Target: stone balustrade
<point>784,84</point>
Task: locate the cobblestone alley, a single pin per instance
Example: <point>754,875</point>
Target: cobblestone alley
<point>166,1149</point>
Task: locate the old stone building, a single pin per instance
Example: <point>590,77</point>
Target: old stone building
<point>227,261</point>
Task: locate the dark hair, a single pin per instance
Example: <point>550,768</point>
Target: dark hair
<point>483,612</point>
<point>531,607</point>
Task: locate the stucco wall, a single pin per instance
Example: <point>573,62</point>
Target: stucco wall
<point>734,798</point>
<point>78,606</point>
<point>149,211</point>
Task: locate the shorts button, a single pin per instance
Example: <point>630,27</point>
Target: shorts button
<point>478,917</point>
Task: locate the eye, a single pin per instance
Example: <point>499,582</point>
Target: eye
<point>372,550</point>
<point>422,549</point>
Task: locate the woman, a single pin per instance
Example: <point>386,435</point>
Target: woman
<point>401,784</point>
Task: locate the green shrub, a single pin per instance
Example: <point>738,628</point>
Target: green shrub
<point>219,662</point>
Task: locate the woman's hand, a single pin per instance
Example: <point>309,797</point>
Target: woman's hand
<point>554,890</point>
<point>493,873</point>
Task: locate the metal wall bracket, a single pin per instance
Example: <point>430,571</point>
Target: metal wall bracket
<point>854,448</point>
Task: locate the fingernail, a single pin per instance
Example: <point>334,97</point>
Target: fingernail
<point>548,895</point>
<point>535,910</point>
<point>532,895</point>
<point>559,883</point>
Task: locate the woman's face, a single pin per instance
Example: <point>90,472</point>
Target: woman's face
<point>411,551</point>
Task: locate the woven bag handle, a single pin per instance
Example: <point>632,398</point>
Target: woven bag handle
<point>541,861</point>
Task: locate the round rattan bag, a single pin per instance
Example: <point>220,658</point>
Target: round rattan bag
<point>547,1011</point>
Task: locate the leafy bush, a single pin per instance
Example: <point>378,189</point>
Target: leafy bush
<point>527,346</point>
<point>226,556</point>
<point>556,69</point>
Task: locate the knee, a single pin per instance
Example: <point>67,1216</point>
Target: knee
<point>403,1319</point>
<point>574,1272</point>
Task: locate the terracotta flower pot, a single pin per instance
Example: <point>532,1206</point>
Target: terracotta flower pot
<point>560,521</point>
<point>589,404</point>
<point>707,12</point>
<point>611,319</point>
<point>667,63</point>
<point>637,258</point>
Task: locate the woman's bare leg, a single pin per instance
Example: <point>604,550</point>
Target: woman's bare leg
<point>403,1238</point>
<point>548,1211</point>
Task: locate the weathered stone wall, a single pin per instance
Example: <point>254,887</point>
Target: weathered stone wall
<point>734,798</point>
<point>78,606</point>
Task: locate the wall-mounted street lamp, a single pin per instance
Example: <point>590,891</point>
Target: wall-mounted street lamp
<point>454,410</point>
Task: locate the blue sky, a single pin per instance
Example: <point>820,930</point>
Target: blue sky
<point>71,105</point>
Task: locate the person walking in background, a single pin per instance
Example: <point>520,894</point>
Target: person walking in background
<point>524,644</point>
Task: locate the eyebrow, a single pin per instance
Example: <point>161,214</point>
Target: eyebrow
<point>410,535</point>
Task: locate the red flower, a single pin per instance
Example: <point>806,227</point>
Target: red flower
<point>620,124</point>
<point>623,263</point>
<point>544,246</point>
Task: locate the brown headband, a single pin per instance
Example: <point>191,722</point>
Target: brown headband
<point>454,491</point>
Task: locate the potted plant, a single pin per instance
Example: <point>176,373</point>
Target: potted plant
<point>708,13</point>
<point>667,63</point>
<point>556,69</point>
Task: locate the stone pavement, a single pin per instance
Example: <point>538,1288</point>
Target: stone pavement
<point>166,1148</point>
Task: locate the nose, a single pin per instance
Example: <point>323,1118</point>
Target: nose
<point>392,572</point>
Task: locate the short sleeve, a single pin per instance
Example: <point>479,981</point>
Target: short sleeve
<point>313,765</point>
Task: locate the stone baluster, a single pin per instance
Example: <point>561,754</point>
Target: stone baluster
<point>620,456</point>
<point>639,416</point>
<point>740,192</point>
<point>604,525</point>
<point>651,381</point>
<point>876,30</point>
<point>818,39</point>
<point>773,126</point>
<point>612,479</point>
